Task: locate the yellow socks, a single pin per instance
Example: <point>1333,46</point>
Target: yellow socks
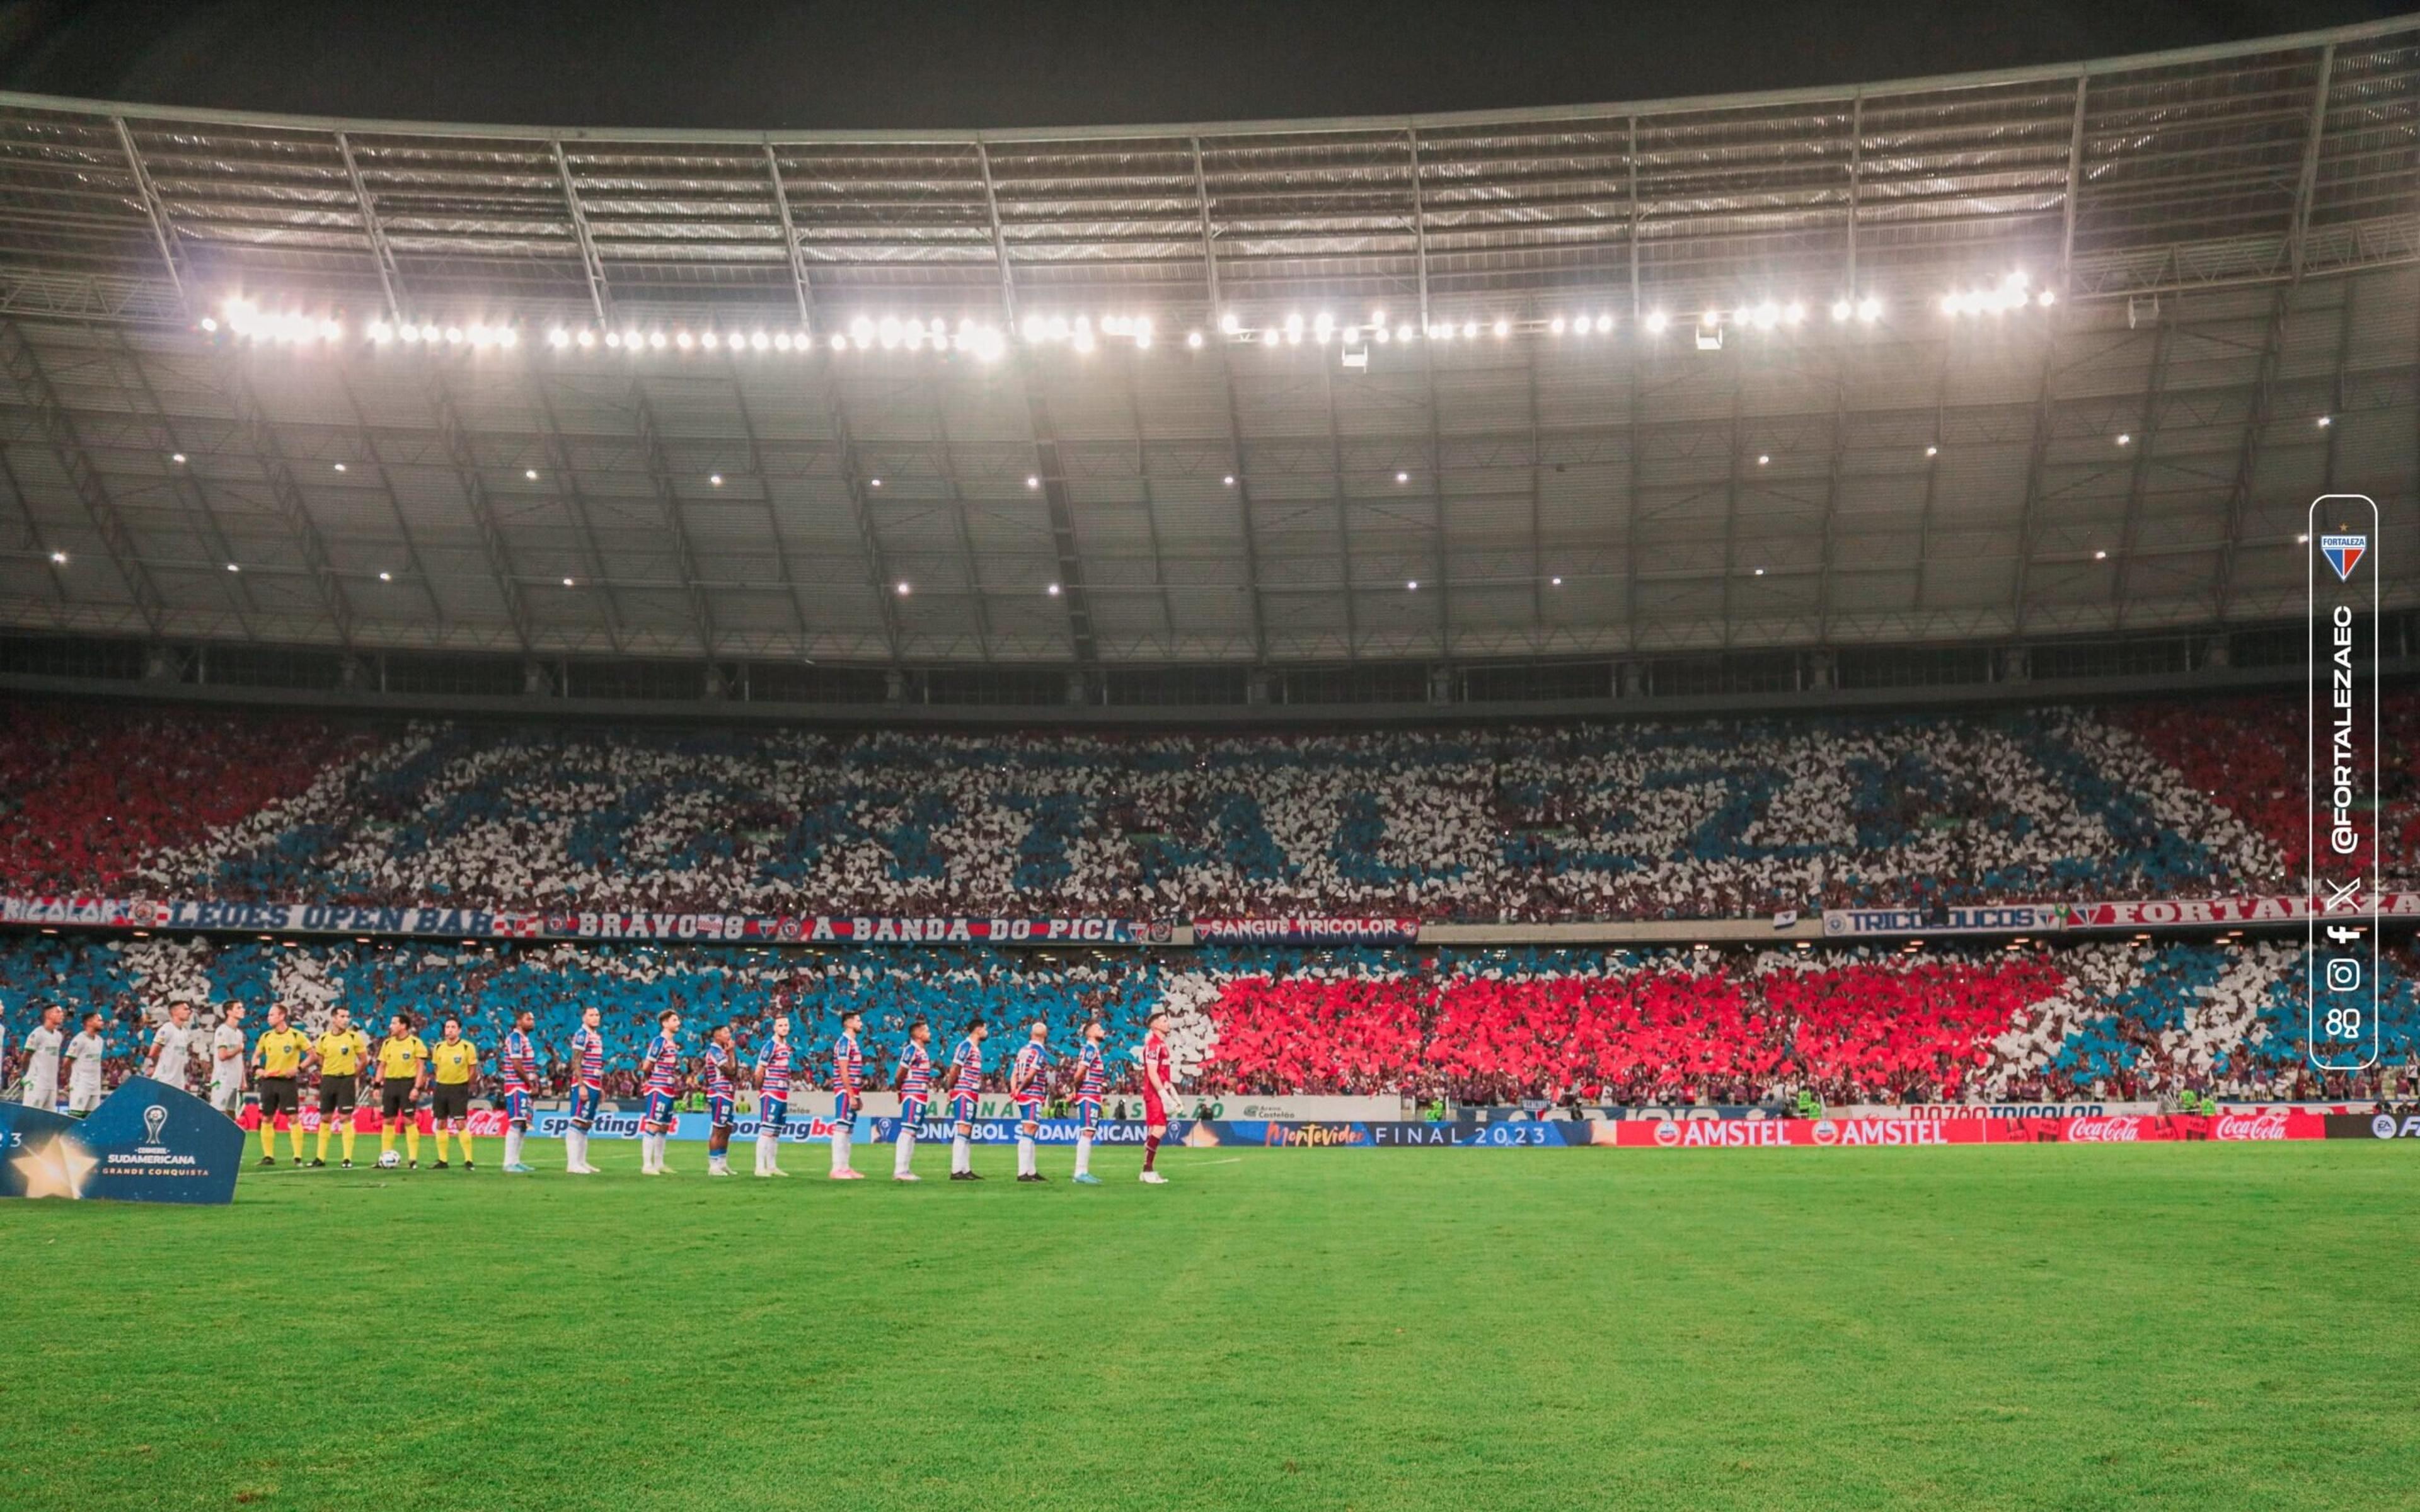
<point>269,1141</point>
<point>411,1141</point>
<point>465,1137</point>
<point>386,1139</point>
<point>440,1144</point>
<point>327,1127</point>
<point>294,1138</point>
<point>348,1139</point>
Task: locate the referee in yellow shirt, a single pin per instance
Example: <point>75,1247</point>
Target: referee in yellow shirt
<point>403,1070</point>
<point>454,1063</point>
<point>275,1059</point>
<point>339,1053</point>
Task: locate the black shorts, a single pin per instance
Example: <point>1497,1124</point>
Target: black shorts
<point>449,1100</point>
<point>336,1095</point>
<point>395,1097</point>
<point>277,1095</point>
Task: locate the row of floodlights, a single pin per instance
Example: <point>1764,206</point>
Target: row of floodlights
<point>1079,332</point>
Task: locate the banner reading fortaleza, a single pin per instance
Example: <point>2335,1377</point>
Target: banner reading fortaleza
<point>2133,914</point>
<point>549,924</point>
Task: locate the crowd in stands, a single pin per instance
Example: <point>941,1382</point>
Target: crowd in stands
<point>1576,820</point>
<point>2101,1020</point>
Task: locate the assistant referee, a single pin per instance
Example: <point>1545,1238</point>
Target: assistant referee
<point>403,1066</point>
<point>454,1063</point>
<point>275,1059</point>
<point>339,1051</point>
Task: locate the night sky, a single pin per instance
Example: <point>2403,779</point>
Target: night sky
<point>919,63</point>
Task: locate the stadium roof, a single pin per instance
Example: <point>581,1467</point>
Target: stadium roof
<point>2218,319</point>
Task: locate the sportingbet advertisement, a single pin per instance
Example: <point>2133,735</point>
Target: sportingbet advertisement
<point>146,1142</point>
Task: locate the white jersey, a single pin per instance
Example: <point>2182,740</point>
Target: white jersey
<point>226,1072</point>
<point>176,1048</point>
<point>43,1067</point>
<point>84,1054</point>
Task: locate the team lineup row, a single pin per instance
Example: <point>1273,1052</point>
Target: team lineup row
<point>449,1074</point>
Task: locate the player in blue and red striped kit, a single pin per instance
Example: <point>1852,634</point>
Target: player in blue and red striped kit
<point>1092,1080</point>
<point>848,1093</point>
<point>773,1096</point>
<point>966,1093</point>
<point>517,1068</point>
<point>913,1082</point>
<point>718,1071</point>
<point>661,1070</point>
<point>587,1092</point>
<point>1028,1080</point>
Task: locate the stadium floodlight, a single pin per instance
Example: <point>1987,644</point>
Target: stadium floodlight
<point>567,582</point>
<point>655,340</point>
<point>873,482</point>
<point>1932,450</point>
<point>59,558</point>
<point>1322,324</point>
<point>386,577</point>
<point>1402,477</point>
<point>2124,438</point>
<point>507,337</point>
<point>1229,324</point>
<point>1604,324</point>
<point>889,331</point>
<point>758,341</point>
<point>1229,480</point>
<point>381,333</point>
<point>1503,328</point>
<point>1032,482</point>
<point>1382,335</point>
<point>1768,314</point>
<point>1412,586</point>
<point>178,457</point>
<point>1763,459</point>
<point>1949,304</point>
<point>1870,309</point>
<point>210,322</point>
<point>2046,298</point>
<point>1470,329</point>
<point>1657,322</point>
<point>710,341</point>
<point>1082,341</point>
<point>1841,310</point>
<point>902,587</point>
<point>1293,324</point>
<point>1759,572</point>
<point>558,338</point>
<point>341,467</point>
<point>1193,339</point>
<point>2101,556</point>
<point>1054,590</point>
<point>1556,325</point>
<point>530,473</point>
<point>585,339</point>
<point>714,479</point>
<point>232,567</point>
<point>1792,312</point>
<point>684,340</point>
<point>1405,331</point>
<point>632,341</point>
<point>2325,420</point>
<point>1554,582</point>
<point>1142,338</point>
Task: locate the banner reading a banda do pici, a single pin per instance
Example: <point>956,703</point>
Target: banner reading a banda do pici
<point>205,915</point>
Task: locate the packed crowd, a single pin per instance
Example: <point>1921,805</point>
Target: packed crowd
<point>2094,1020</point>
<point>1513,824</point>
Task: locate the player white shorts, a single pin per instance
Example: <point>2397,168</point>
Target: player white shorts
<point>227,1098</point>
<point>83,1099</point>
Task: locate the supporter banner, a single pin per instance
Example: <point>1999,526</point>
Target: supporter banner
<point>146,1142</point>
<point>884,1132</point>
<point>536,924</point>
<point>799,1128</point>
<point>2044,919</point>
<point>1844,1133</point>
<point>1652,1113</point>
<point>2373,1125</point>
<point>1276,1134</point>
<point>1306,930</point>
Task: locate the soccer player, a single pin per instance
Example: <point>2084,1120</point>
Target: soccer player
<point>1028,1078</point>
<point>403,1070</point>
<point>340,1052</point>
<point>966,1092</point>
<point>1092,1080</point>
<point>1158,1094</point>
<point>275,1061</point>
<point>913,1082</point>
<point>86,1053</point>
<point>516,1063</point>
<point>661,1066</point>
<point>454,1070</point>
<point>42,1045</point>
<point>773,1097</point>
<point>587,1092</point>
<point>717,1076</point>
<point>848,1093</point>
<point>226,1062</point>
<point>172,1047</point>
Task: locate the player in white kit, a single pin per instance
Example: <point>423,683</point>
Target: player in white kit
<point>86,1053</point>
<point>226,1062</point>
<point>172,1048</point>
<point>41,1087</point>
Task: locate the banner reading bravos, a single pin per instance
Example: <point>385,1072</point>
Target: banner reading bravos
<point>540,924</point>
<point>2044,919</point>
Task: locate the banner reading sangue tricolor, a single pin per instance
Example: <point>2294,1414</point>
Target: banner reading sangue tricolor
<point>550,924</point>
<point>1306,930</point>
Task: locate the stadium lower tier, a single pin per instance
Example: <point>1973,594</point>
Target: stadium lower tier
<point>2096,1020</point>
<point>1570,820</point>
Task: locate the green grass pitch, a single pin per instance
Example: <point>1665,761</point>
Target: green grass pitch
<point>2019,1327</point>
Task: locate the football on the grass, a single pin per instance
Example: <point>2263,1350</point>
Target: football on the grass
<point>389,1160</point>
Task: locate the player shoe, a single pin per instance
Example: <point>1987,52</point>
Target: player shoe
<point>1087,1179</point>
<point>517,1169</point>
<point>1154,1179</point>
<point>469,1166</point>
<point>911,1176</point>
<point>349,1165</point>
<point>321,1164</point>
<point>267,1160</point>
<point>438,1167</point>
<point>415,1165</point>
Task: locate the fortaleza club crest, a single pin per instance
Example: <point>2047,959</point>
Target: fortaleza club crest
<point>2344,553</point>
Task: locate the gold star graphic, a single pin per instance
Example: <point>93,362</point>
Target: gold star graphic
<point>54,1168</point>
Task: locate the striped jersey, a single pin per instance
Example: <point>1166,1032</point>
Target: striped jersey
<point>1028,1075</point>
<point>773,1071</point>
<point>587,1057</point>
<point>915,1073</point>
<point>663,1065</point>
<point>967,1060</point>
<point>1092,1076</point>
<point>517,1062</point>
<point>848,1065</point>
<point>719,1064</point>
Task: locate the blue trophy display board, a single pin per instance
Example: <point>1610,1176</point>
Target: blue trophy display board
<point>146,1142</point>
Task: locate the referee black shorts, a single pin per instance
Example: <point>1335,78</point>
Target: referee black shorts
<point>336,1095</point>
<point>395,1097</point>
<point>277,1095</point>
<point>449,1100</point>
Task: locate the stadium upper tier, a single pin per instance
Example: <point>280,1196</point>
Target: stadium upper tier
<point>1711,819</point>
<point>2048,351</point>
